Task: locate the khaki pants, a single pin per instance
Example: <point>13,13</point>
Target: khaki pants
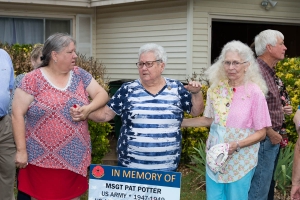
<point>7,159</point>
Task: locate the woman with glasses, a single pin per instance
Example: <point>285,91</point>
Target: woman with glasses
<point>237,113</point>
<point>151,109</point>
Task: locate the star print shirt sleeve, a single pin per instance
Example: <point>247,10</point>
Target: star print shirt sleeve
<point>185,98</point>
<point>116,102</point>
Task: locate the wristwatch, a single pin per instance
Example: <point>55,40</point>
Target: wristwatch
<point>238,146</point>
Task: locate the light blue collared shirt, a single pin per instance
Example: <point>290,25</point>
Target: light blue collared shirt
<point>6,81</point>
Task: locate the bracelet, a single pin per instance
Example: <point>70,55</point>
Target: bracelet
<point>238,146</point>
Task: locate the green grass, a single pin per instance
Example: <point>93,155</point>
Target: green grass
<point>192,186</point>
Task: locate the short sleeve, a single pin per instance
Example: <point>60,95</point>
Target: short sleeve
<point>85,76</point>
<point>117,100</point>
<point>260,112</point>
<point>185,98</point>
<point>29,83</point>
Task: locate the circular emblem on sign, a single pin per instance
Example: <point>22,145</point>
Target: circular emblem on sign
<point>98,172</point>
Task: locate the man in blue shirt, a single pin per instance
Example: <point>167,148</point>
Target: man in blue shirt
<point>7,145</point>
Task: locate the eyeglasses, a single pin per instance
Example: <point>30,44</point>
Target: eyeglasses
<point>233,63</point>
<point>148,64</point>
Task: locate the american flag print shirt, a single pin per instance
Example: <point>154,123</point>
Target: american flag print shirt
<point>150,136</point>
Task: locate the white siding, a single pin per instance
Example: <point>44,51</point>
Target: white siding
<point>234,10</point>
<point>111,2</point>
<point>122,29</point>
<point>81,3</point>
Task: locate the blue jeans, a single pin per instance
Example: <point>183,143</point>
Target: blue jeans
<point>263,175</point>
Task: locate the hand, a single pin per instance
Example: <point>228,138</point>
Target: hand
<point>275,137</point>
<point>287,109</point>
<point>295,192</point>
<point>193,87</point>
<point>78,113</point>
<point>232,147</point>
<point>21,159</point>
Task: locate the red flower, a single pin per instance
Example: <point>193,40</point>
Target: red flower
<point>74,106</point>
<point>98,171</point>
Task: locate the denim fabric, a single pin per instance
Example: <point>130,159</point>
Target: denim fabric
<point>237,190</point>
<point>273,183</point>
<point>263,175</point>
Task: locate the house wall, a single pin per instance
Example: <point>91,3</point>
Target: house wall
<point>285,12</point>
<point>81,3</point>
<point>122,29</point>
<point>182,27</point>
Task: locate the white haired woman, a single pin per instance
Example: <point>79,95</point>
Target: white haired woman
<point>151,109</point>
<point>237,113</point>
<point>53,151</point>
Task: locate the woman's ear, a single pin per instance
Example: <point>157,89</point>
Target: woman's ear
<point>162,67</point>
<point>247,66</point>
<point>54,56</point>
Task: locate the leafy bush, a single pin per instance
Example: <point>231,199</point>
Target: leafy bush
<point>284,168</point>
<point>192,136</point>
<point>20,55</point>
<point>199,159</point>
<point>288,70</point>
<point>100,143</point>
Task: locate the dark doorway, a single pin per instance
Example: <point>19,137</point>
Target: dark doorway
<point>223,32</point>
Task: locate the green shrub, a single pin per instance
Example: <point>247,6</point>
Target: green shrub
<point>100,143</point>
<point>288,70</point>
<point>20,56</point>
<point>192,136</point>
<point>198,159</point>
<point>284,168</point>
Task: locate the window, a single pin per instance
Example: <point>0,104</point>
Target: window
<point>30,30</point>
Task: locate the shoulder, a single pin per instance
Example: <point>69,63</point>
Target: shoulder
<point>172,81</point>
<point>130,85</point>
<point>79,70</point>
<point>3,53</point>
<point>255,89</point>
<point>34,72</point>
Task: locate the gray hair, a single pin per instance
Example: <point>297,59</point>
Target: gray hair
<point>159,52</point>
<point>216,72</point>
<point>264,38</point>
<point>36,53</point>
<point>56,42</point>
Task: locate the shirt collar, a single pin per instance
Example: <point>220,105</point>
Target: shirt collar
<point>266,67</point>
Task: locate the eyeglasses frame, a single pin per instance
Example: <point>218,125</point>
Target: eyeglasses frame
<point>144,63</point>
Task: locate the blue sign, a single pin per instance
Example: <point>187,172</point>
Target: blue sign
<point>113,182</point>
